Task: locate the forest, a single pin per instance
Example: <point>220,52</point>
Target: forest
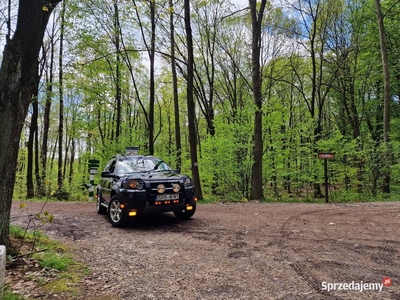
<point>247,92</point>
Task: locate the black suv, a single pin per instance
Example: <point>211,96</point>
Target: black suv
<point>137,184</point>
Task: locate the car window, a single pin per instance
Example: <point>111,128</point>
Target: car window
<point>108,165</point>
<point>112,166</point>
<point>124,168</point>
<point>161,165</point>
<point>141,164</point>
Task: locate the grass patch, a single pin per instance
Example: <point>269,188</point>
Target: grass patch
<point>54,261</point>
<point>68,279</point>
<point>46,263</point>
<point>8,295</point>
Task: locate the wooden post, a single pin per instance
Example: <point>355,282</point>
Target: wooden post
<point>325,156</point>
<point>2,269</point>
<point>326,180</point>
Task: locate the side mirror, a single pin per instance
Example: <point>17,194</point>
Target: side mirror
<point>107,174</point>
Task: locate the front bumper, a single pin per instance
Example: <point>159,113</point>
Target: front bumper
<point>144,202</point>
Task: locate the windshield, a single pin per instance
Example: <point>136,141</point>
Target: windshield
<point>141,164</point>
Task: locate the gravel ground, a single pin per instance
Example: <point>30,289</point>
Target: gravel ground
<point>232,251</point>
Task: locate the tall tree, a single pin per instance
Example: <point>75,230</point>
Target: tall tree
<point>60,175</point>
<point>256,24</point>
<point>30,190</point>
<point>175,88</point>
<point>18,82</point>
<point>118,92</point>
<point>151,52</point>
<point>191,103</point>
<point>41,158</point>
<point>46,115</point>
<point>209,17</point>
<point>386,92</point>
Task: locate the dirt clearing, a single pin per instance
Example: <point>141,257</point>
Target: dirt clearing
<point>234,251</point>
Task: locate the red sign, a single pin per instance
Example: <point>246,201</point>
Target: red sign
<point>323,155</point>
<point>387,281</point>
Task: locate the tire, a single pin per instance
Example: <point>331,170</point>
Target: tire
<point>101,210</point>
<point>116,215</point>
<point>185,214</point>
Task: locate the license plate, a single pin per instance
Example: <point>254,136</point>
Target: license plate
<point>167,197</point>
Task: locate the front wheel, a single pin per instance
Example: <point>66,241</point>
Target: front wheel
<point>185,214</point>
<point>115,213</point>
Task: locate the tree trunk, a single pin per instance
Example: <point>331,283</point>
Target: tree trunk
<point>18,82</point>
<point>60,177</point>
<point>152,70</point>
<point>190,103</point>
<point>39,180</point>
<point>118,93</point>
<point>175,91</point>
<point>256,21</point>
<point>30,191</point>
<point>387,96</point>
<point>71,161</point>
<point>46,123</point>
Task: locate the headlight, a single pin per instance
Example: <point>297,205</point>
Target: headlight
<point>187,182</point>
<point>132,184</point>
<point>176,187</point>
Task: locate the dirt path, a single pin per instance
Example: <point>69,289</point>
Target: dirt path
<point>235,251</point>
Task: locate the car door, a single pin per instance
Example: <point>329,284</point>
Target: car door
<point>107,179</point>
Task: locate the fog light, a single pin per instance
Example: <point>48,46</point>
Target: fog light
<point>161,188</point>
<point>122,206</point>
<point>189,207</point>
<point>195,198</point>
<point>132,213</point>
<point>176,188</point>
